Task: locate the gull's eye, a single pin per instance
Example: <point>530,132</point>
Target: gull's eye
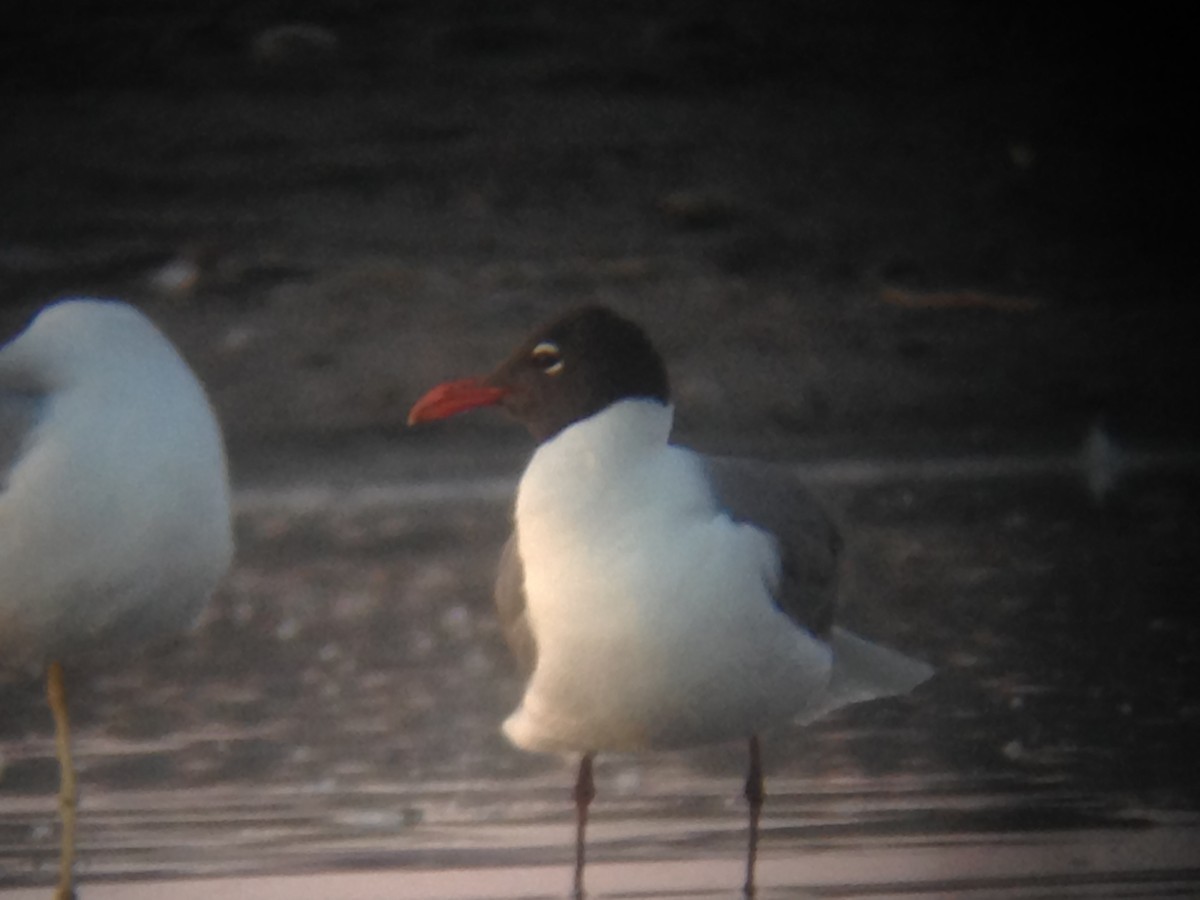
<point>547,357</point>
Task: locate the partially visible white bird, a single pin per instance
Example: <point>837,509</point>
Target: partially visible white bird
<point>114,500</point>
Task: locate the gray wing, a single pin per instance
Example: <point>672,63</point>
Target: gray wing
<point>510,604</point>
<point>773,499</point>
<point>21,403</point>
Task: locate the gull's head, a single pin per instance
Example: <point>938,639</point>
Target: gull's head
<point>73,341</point>
<point>569,369</point>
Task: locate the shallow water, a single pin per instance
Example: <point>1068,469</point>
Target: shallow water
<point>337,712</point>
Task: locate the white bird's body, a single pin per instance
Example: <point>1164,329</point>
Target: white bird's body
<point>651,609</point>
<point>114,501</point>
<point>114,513</point>
<point>655,597</point>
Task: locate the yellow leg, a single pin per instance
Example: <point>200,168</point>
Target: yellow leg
<point>57,694</point>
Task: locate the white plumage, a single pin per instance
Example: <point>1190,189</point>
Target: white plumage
<point>114,518</point>
<point>114,500</point>
<point>652,610</point>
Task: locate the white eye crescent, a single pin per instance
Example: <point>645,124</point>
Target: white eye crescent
<point>547,357</point>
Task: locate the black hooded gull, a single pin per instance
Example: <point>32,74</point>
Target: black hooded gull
<point>656,598</point>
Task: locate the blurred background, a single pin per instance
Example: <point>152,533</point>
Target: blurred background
<point>929,253</point>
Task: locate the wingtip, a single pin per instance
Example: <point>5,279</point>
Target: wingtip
<point>863,670</point>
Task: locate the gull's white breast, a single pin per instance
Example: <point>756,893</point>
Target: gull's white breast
<point>651,609</point>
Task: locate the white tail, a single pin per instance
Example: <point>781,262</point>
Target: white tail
<point>865,671</point>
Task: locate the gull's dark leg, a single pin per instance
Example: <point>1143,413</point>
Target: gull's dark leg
<point>57,694</point>
<point>585,791</point>
<point>754,797</point>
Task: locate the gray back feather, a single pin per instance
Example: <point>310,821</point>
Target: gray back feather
<point>20,410</point>
<point>773,499</point>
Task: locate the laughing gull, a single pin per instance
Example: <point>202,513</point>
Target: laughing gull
<point>654,597</point>
<point>114,500</point>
